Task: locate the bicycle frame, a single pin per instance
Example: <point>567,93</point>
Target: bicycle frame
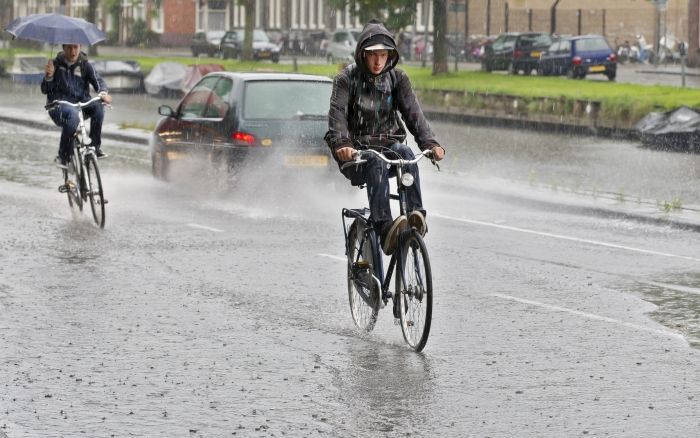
<point>371,233</point>
<point>82,187</point>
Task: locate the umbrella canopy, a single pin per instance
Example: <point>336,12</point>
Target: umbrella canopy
<point>55,29</point>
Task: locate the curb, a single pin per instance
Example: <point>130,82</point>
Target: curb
<point>112,134</point>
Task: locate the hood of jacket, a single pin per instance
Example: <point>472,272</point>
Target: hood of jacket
<point>373,33</point>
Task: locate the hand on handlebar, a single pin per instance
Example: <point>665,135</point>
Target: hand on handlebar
<point>346,153</point>
<point>438,153</point>
<point>106,98</point>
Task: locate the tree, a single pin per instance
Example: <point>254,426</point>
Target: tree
<point>401,13</point>
<point>92,17</point>
<point>439,37</point>
<point>247,53</point>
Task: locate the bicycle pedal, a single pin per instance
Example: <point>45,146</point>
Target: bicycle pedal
<point>104,201</point>
<point>362,264</point>
<point>63,188</point>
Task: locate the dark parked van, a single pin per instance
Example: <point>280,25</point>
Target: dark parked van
<point>515,52</point>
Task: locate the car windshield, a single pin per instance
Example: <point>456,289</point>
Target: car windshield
<point>215,35</point>
<point>286,99</point>
<point>535,40</point>
<point>590,44</point>
<point>259,35</point>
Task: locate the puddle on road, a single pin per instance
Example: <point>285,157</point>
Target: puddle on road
<point>677,297</point>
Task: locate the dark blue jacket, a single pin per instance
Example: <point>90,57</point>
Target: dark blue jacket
<point>72,83</point>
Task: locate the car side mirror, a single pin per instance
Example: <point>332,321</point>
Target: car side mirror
<point>165,110</point>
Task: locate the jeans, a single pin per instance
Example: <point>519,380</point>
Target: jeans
<point>375,175</point>
<point>67,118</point>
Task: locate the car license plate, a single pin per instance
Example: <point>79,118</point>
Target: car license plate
<point>305,161</point>
<point>264,54</point>
<point>597,68</point>
<point>535,54</point>
<point>175,155</point>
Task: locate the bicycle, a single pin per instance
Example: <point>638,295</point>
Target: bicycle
<point>368,285</point>
<point>82,179</point>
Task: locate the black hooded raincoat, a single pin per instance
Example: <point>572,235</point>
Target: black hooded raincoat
<point>364,106</point>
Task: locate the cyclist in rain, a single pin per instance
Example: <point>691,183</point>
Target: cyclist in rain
<point>68,77</point>
<point>364,113</point>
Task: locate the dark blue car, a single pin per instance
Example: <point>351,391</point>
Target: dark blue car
<point>579,56</point>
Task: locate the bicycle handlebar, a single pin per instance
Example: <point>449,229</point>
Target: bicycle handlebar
<point>399,162</point>
<point>55,103</point>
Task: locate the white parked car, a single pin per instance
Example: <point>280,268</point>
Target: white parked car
<point>341,47</point>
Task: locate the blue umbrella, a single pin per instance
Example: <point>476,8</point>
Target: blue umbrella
<point>55,29</point>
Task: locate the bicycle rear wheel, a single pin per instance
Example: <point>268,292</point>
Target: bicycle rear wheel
<point>416,296</point>
<point>95,194</point>
<point>363,290</point>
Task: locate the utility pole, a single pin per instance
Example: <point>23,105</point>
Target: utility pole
<point>553,17</point>
<point>693,32</point>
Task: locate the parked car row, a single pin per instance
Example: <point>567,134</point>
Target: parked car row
<point>573,56</point>
<point>229,44</point>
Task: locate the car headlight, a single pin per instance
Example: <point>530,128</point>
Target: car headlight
<point>407,179</point>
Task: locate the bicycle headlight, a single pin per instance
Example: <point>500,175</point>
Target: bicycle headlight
<point>407,179</point>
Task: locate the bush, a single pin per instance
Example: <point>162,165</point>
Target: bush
<point>112,38</point>
<point>141,36</point>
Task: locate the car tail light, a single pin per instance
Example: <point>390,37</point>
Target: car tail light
<point>243,138</point>
<point>517,54</point>
<point>577,60</point>
<point>612,57</point>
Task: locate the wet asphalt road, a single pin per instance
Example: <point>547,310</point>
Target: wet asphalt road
<point>206,310</point>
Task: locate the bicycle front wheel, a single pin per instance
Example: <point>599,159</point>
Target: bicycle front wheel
<point>75,186</point>
<point>363,290</point>
<point>95,193</point>
<point>416,295</point>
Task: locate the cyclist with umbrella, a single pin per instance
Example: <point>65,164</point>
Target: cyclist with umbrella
<point>68,76</point>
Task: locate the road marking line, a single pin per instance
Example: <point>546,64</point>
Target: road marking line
<point>334,257</point>
<point>592,316</point>
<point>563,237</point>
<point>204,227</point>
<point>674,287</point>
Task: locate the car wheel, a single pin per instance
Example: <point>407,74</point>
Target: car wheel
<point>159,166</point>
<point>528,71</point>
<point>512,69</point>
<point>276,59</point>
<point>195,53</point>
<point>611,75</point>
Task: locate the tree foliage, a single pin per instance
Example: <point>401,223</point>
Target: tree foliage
<point>396,14</point>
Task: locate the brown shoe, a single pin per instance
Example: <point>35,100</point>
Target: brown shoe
<point>417,220</point>
<point>391,234</point>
